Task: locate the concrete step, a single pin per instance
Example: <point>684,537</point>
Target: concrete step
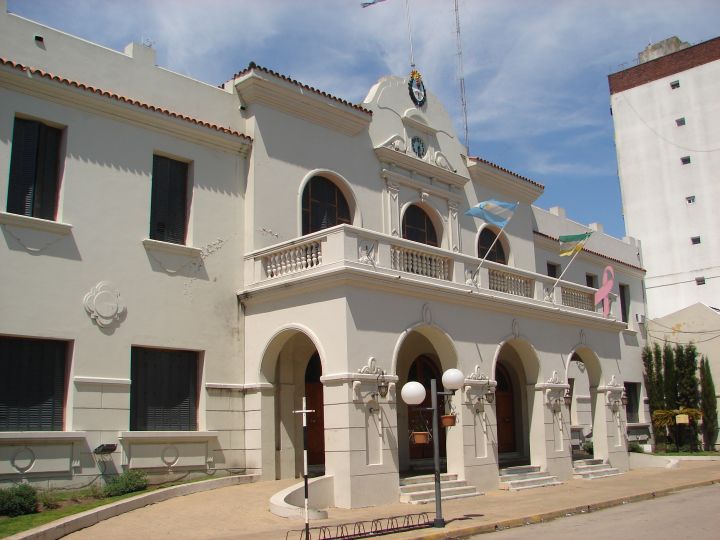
<point>583,462</point>
<point>414,488</point>
<point>589,468</point>
<point>420,497</point>
<point>601,473</point>
<point>522,469</point>
<point>426,478</point>
<point>522,476</point>
<point>527,483</point>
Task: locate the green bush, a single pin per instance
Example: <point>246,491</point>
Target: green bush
<point>128,482</point>
<point>48,499</point>
<point>587,446</point>
<point>635,447</point>
<point>18,500</point>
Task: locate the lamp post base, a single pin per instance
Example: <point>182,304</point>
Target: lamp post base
<point>439,523</point>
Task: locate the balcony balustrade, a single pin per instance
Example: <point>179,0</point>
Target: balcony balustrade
<point>349,246</point>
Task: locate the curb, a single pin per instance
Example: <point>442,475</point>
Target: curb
<point>464,532</point>
<point>64,526</point>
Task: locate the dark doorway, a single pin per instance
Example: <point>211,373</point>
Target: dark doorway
<point>316,421</point>
<point>505,410</point>
<point>423,370</point>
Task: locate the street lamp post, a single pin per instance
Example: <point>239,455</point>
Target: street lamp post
<point>413,393</point>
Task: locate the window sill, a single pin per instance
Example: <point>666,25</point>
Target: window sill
<point>41,436</point>
<point>169,247</point>
<point>27,222</point>
<point>152,436</point>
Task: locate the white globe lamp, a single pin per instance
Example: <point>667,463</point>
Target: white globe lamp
<point>453,379</point>
<point>413,393</point>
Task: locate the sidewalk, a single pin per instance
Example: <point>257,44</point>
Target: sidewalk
<point>241,512</point>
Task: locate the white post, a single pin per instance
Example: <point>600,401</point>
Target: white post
<point>304,411</point>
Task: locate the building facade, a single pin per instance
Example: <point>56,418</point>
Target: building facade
<point>183,263</point>
<point>666,119</point>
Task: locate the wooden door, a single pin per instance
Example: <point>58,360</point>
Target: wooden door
<point>423,370</point>
<point>316,422</point>
<point>505,411</point>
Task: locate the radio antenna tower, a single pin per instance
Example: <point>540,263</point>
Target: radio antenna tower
<point>461,76</point>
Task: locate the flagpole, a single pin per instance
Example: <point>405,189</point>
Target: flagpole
<point>497,237</point>
<point>566,268</point>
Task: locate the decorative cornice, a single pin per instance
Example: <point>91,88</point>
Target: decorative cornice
<point>507,182</point>
<point>170,247</point>
<point>414,164</point>
<point>37,82</point>
<point>28,222</point>
<point>258,85</point>
<point>394,176</point>
<point>101,380</point>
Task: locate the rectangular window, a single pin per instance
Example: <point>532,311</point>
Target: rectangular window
<point>591,280</point>
<point>163,390</point>
<point>32,386</point>
<point>694,240</point>
<point>168,205</point>
<point>690,199</point>
<point>679,122</point>
<point>34,169</point>
<point>675,85</point>
<point>632,393</point>
<point>625,302</point>
<point>685,160</point>
<point>553,269</point>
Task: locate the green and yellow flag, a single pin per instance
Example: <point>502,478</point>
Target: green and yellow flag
<point>570,244</point>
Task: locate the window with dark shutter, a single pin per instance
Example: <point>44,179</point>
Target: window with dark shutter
<point>487,240</point>
<point>34,166</point>
<point>418,227</point>
<point>32,386</point>
<point>323,205</point>
<point>163,390</point>
<point>624,302</point>
<point>168,205</point>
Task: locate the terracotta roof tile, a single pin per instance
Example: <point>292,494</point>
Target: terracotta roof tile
<point>503,169</point>
<point>123,99</point>
<point>253,65</point>
<point>594,253</point>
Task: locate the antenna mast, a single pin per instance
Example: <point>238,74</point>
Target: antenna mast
<point>461,75</point>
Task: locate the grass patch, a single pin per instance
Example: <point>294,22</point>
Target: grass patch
<point>10,526</point>
<point>699,453</point>
<point>74,501</point>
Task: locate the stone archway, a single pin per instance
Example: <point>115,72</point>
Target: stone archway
<point>292,364</point>
<point>519,416</point>
<point>422,353</point>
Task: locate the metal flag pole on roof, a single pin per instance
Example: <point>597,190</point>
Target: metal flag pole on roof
<point>571,244</point>
<point>499,213</point>
<point>369,3</point>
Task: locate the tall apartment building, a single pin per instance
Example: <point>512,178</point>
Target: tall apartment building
<point>666,113</point>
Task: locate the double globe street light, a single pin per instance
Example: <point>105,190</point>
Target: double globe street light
<point>413,393</point>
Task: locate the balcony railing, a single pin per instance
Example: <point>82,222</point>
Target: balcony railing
<point>346,245</point>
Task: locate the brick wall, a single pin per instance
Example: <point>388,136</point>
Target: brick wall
<point>697,55</point>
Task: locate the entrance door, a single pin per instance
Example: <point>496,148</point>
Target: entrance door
<point>423,370</point>
<point>316,422</point>
<point>505,412</point>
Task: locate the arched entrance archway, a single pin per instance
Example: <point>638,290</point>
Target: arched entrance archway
<point>423,370</point>
<point>516,372</point>
<point>293,365</point>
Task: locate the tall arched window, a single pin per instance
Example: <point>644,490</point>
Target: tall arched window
<point>497,253</point>
<point>323,205</point>
<point>418,227</point>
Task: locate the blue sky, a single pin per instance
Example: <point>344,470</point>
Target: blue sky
<point>535,72</point>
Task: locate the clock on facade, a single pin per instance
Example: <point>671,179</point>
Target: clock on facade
<point>418,146</point>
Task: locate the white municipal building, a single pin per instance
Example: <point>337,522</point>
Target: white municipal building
<point>181,263</point>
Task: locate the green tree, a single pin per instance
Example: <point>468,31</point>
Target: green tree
<point>659,378</point>
<point>688,391</point>
<point>670,378</point>
<point>651,386</point>
<point>708,405</point>
<point>667,418</point>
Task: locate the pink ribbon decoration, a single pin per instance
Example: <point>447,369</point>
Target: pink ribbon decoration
<point>603,293</point>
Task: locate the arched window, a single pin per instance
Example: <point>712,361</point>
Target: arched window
<point>416,226</point>
<point>323,205</point>
<point>497,253</point>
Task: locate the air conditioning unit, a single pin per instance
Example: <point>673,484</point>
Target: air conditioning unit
<point>640,318</point>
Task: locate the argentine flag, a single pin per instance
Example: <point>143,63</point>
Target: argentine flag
<point>493,211</point>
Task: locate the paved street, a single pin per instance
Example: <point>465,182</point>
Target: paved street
<point>694,513</point>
